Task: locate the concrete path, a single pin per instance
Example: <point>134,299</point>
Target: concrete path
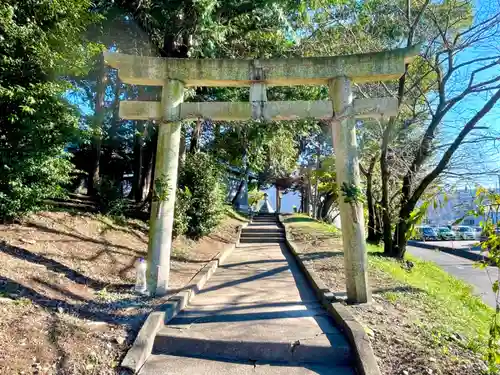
<point>256,315</point>
<point>463,269</point>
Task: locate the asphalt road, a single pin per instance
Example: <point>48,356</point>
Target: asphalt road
<point>462,269</point>
<point>465,245</point>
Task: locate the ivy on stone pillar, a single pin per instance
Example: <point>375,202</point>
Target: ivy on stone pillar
<point>350,199</point>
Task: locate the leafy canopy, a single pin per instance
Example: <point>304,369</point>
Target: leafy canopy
<point>40,41</point>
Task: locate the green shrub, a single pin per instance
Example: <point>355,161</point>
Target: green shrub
<point>202,177</point>
<point>26,181</point>
<point>181,219</point>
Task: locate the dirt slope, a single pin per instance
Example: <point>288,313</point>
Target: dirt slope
<point>65,289</point>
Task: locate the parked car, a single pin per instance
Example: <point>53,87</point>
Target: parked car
<point>445,233</point>
<point>424,233</point>
<point>477,232</point>
<point>427,234</point>
<point>465,233</point>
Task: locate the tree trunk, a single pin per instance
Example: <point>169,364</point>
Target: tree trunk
<point>148,168</point>
<point>113,140</point>
<point>238,191</point>
<point>309,200</point>
<point>409,200</point>
<point>138,161</point>
<point>378,223</point>
<point>182,150</point>
<point>93,178</point>
<point>316,201</point>
<point>240,186</point>
<point>400,241</point>
<point>301,199</point>
<point>308,197</point>
<point>195,138</point>
<point>242,182</point>
<point>371,211</point>
<point>147,177</point>
<point>327,205</point>
<point>373,234</point>
<point>386,221</point>
<point>386,215</point>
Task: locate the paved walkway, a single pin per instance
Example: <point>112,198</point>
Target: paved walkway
<point>256,315</point>
<point>462,269</point>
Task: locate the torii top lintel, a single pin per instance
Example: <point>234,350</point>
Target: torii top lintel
<point>368,67</point>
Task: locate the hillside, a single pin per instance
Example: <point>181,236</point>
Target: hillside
<point>65,289</point>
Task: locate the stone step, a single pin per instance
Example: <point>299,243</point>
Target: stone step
<point>265,240</point>
<point>253,340</point>
<point>251,234</point>
<point>174,365</point>
<point>263,231</point>
<point>262,222</point>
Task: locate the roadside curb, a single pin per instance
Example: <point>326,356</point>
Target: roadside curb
<point>449,250</point>
<point>143,345</point>
<point>365,361</point>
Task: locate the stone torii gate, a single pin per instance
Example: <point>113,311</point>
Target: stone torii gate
<point>338,73</point>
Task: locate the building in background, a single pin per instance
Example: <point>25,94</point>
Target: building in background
<point>454,206</point>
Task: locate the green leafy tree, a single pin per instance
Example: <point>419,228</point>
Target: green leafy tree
<point>488,209</point>
<point>40,42</point>
<point>254,197</point>
<point>328,192</point>
<point>202,194</point>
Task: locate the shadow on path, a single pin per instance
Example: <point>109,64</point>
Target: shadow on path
<point>258,276</point>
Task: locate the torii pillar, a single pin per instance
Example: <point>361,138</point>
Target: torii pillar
<point>164,187</point>
<point>335,71</point>
<point>347,170</point>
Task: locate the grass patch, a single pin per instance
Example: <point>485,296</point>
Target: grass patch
<point>231,212</point>
<point>448,303</point>
<point>442,305</point>
<point>303,223</point>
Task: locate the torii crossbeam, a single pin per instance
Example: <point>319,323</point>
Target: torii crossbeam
<point>338,73</point>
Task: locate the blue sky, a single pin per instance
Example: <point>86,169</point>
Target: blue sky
<point>484,157</point>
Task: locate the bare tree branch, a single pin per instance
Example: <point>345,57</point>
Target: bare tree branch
<point>453,147</point>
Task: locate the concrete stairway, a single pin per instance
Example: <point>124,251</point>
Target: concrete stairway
<point>264,229</point>
<point>256,315</point>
